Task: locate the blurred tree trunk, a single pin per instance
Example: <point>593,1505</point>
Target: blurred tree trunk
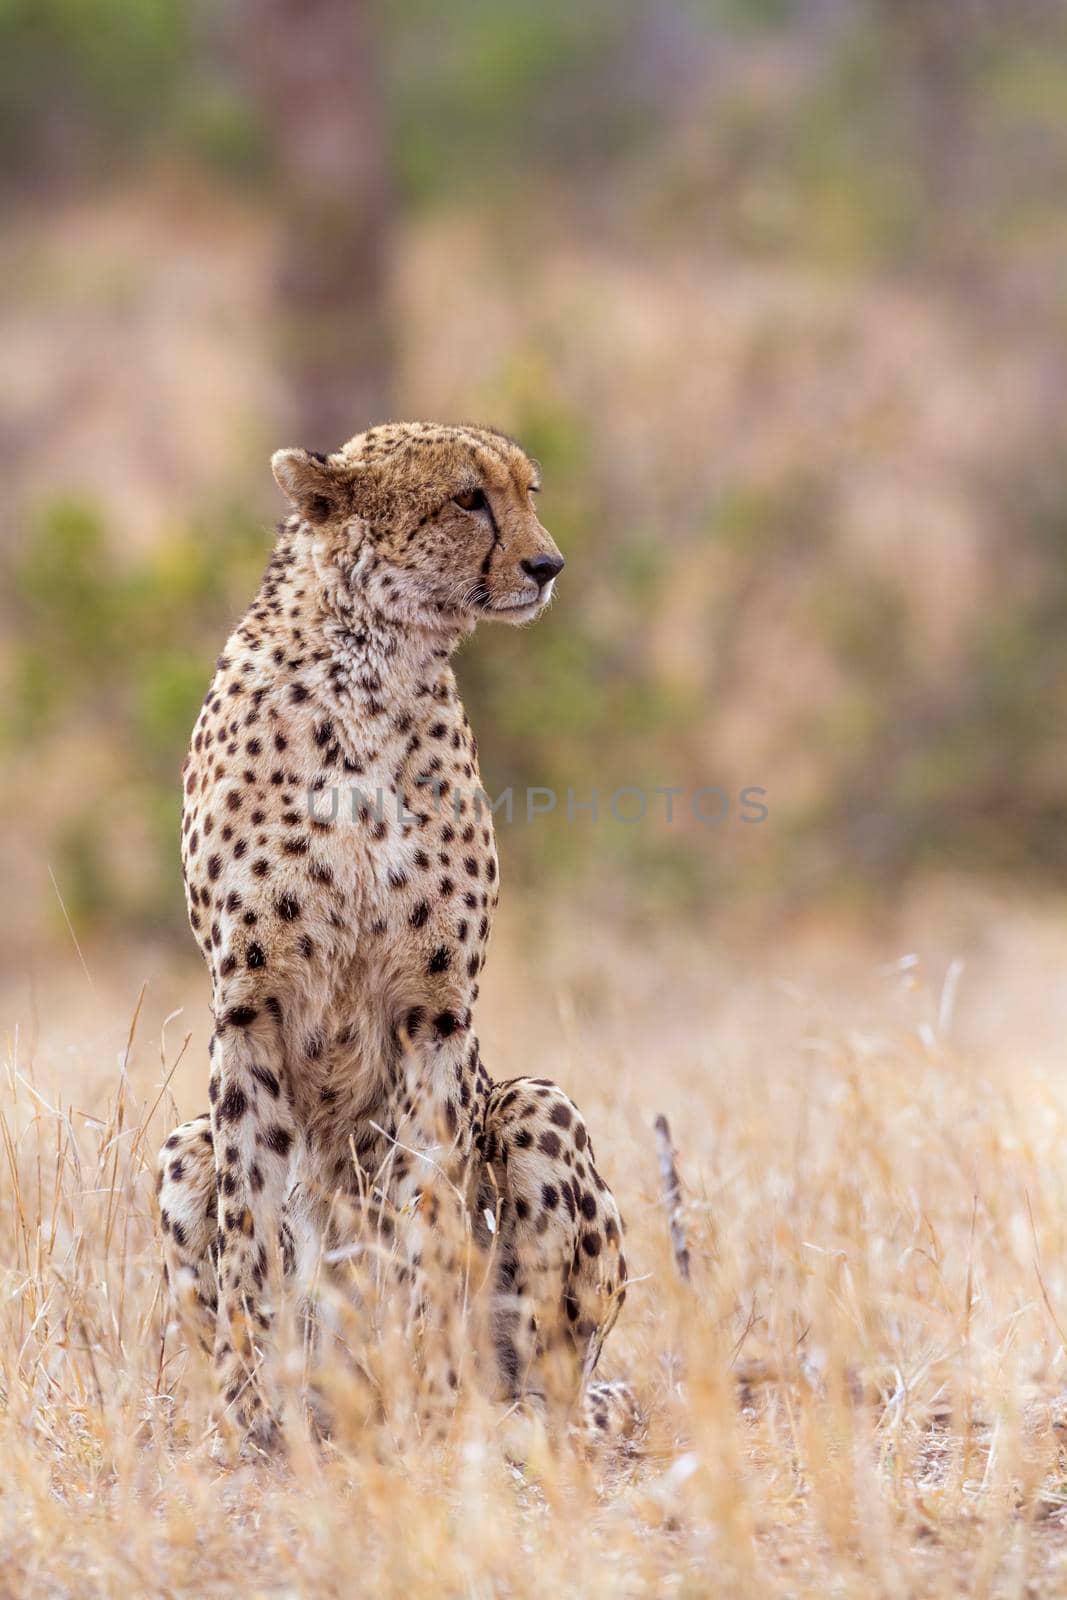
<point>314,67</point>
<point>934,49</point>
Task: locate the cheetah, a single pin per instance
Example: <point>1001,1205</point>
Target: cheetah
<point>341,878</point>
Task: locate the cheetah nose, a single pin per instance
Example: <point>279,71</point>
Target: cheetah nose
<point>542,569</point>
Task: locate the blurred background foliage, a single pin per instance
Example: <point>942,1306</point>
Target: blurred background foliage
<point>776,290</point>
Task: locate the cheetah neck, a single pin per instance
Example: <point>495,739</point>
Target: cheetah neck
<point>379,663</point>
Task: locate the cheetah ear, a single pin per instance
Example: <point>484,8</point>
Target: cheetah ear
<point>319,491</point>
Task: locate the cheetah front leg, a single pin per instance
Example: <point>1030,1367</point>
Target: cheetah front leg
<point>188,1219</point>
<point>254,1133</point>
<point>435,1122</point>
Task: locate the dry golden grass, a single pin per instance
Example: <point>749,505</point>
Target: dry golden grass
<point>854,1395</point>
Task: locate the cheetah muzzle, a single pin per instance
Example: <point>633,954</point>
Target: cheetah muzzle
<point>348,1098</point>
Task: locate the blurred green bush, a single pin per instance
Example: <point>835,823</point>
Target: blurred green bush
<point>115,656</point>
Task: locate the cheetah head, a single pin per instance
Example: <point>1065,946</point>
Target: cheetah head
<point>436,524</point>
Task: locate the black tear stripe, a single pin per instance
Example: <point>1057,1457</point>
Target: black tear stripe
<point>496,533</point>
<point>480,596</point>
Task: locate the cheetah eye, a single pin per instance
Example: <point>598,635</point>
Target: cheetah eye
<point>473,500</point>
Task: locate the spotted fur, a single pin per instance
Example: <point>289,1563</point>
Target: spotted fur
<point>345,940</point>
